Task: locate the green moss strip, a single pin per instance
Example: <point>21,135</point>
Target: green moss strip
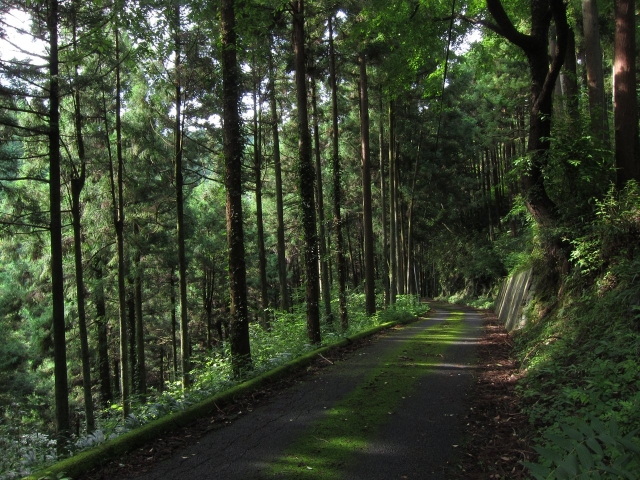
<point>347,427</point>
<point>92,458</point>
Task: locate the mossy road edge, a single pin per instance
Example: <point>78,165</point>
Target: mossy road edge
<point>94,457</point>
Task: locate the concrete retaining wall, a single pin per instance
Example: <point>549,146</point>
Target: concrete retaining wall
<point>512,297</point>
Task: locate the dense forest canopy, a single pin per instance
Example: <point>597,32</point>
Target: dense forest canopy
<point>176,175</point>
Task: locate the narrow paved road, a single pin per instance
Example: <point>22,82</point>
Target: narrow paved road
<point>392,410</point>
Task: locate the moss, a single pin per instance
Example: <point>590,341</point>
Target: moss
<point>348,426</point>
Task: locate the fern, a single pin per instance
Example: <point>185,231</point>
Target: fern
<point>588,451</point>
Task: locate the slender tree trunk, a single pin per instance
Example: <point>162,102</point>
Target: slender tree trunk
<point>354,274</point>
<point>337,187</point>
<point>185,357</point>
<point>393,234</point>
<point>239,322</point>
<point>324,264</point>
<point>77,184</point>
<point>367,213</point>
<point>103,338</point>
<point>55,217</point>
<point>208,277</point>
<point>282,259</point>
<point>569,77</point>
<point>306,178</point>
<point>131,318</point>
<point>595,74</point>
<point>174,326</point>
<point>624,94</point>
<point>117,199</point>
<point>383,205</point>
<point>141,378</point>
<point>257,168</point>
<point>400,246</point>
<point>410,254</point>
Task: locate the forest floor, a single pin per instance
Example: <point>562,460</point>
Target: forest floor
<point>473,428</point>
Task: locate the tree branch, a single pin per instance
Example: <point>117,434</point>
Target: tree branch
<point>559,12</point>
<point>507,29</point>
<point>17,179</point>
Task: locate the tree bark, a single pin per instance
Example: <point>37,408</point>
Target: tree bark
<point>277,165</point>
<point>77,184</point>
<point>569,78</point>
<point>185,357</point>
<point>306,178</point>
<point>117,200</point>
<point>543,79</point>
<point>239,321</point>
<point>141,370</point>
<point>257,170</point>
<point>393,234</point>
<point>411,280</point>
<point>103,338</point>
<point>367,213</point>
<point>55,230</point>
<point>337,187</point>
<point>322,244</point>
<point>174,326</point>
<point>384,153</point>
<point>595,74</point>
<point>624,94</point>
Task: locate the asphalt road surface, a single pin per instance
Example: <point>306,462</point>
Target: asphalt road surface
<point>414,440</point>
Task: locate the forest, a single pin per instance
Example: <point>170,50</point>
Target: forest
<point>195,192</point>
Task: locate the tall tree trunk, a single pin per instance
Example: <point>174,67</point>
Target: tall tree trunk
<point>117,201</point>
<point>77,184</point>
<point>400,250</point>
<point>383,204</point>
<point>208,278</point>
<point>239,322</point>
<point>185,357</point>
<point>131,318</point>
<point>411,280</point>
<point>324,264</point>
<point>282,259</point>
<point>257,169</point>
<point>569,77</point>
<point>367,213</point>
<point>141,377</point>
<point>174,326</point>
<point>103,337</point>
<point>543,76</point>
<point>55,217</point>
<point>337,186</point>
<point>393,230</point>
<point>624,94</point>
<point>595,74</point>
<point>306,178</point>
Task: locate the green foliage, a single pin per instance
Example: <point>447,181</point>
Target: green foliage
<point>212,372</point>
<point>594,450</point>
<point>582,359</point>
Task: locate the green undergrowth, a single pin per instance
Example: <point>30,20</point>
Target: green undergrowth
<point>212,375</point>
<point>346,427</point>
<point>582,361</point>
